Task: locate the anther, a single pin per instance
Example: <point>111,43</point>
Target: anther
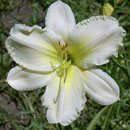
<point>62,45</point>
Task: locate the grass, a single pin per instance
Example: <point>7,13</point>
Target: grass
<point>23,110</point>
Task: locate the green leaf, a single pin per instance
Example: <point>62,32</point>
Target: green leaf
<point>93,122</point>
<point>107,118</point>
<point>122,67</point>
<point>128,68</point>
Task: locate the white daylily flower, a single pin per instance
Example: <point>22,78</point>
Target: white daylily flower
<point>61,56</point>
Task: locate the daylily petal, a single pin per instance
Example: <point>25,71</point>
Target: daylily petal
<point>64,99</point>
<point>21,80</point>
<point>94,40</point>
<point>60,18</point>
<point>33,48</point>
<point>101,87</point>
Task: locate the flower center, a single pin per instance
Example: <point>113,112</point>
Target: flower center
<point>65,60</point>
<point>62,69</point>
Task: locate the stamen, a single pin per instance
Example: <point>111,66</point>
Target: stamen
<point>65,70</point>
<point>65,61</point>
<point>62,45</point>
<point>55,100</point>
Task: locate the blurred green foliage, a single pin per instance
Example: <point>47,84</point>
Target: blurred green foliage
<point>23,110</point>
